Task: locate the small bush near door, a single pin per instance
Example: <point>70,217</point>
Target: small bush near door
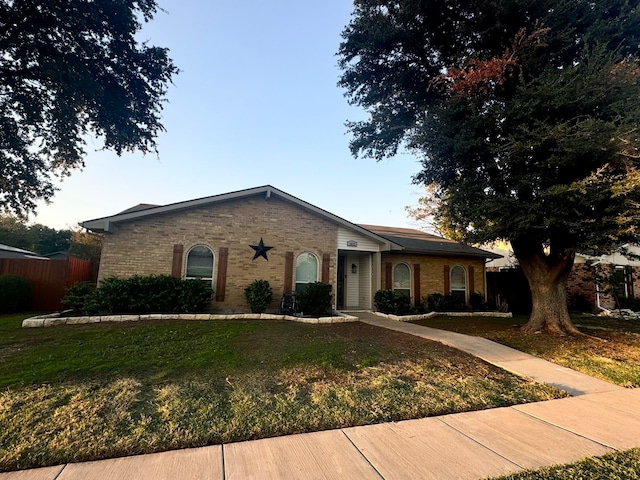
<point>392,302</point>
<point>15,294</point>
<point>315,299</point>
<point>258,295</point>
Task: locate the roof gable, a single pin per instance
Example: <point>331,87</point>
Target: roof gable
<point>103,224</point>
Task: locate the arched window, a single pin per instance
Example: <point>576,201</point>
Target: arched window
<point>306,270</point>
<point>402,279</point>
<point>199,263</point>
<point>459,283</point>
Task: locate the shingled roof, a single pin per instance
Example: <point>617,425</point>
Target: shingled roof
<point>416,241</point>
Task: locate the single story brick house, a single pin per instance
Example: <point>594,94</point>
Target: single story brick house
<point>264,233</point>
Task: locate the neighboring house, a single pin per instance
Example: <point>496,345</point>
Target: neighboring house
<point>594,282</point>
<point>264,233</point>
<point>12,252</point>
<point>600,280</point>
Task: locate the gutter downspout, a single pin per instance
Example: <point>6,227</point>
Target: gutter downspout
<point>595,267</point>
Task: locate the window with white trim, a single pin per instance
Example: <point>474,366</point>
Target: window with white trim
<point>459,283</point>
<point>402,279</point>
<point>621,281</point>
<point>199,263</point>
<point>306,270</point>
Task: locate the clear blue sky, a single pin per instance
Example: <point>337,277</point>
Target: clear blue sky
<point>256,103</point>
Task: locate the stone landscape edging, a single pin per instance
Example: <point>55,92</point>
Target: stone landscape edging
<point>54,319</point>
<point>411,318</point>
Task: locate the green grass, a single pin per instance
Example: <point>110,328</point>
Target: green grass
<point>617,359</point>
<point>85,392</point>
<point>615,466</point>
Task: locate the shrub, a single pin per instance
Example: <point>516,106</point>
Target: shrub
<point>477,303</point>
<point>315,299</point>
<point>632,303</point>
<point>436,302</point>
<point>384,300</point>
<point>15,294</point>
<point>77,296</point>
<point>194,296</point>
<point>258,295</point>
<point>392,302</point>
<point>148,294</point>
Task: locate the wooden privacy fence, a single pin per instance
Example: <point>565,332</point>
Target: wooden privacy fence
<point>49,278</point>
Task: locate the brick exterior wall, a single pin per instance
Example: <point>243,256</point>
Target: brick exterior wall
<point>607,300</point>
<point>581,282</point>
<point>432,276</point>
<point>145,246</point>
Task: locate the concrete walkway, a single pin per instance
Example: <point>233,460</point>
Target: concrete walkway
<point>601,419</point>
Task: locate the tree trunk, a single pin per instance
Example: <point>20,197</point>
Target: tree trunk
<point>547,275</point>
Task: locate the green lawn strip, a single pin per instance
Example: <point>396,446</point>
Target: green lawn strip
<point>85,392</point>
<point>614,466</point>
<point>616,360</point>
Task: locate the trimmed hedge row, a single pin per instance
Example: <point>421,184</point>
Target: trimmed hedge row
<point>138,294</point>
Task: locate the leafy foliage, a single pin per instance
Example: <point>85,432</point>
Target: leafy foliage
<point>67,70</point>
<point>525,116</point>
<point>392,302</point>
<point>15,294</point>
<point>139,295</point>
<point>41,239</point>
<point>77,295</point>
<point>315,299</point>
<point>258,295</point>
<point>85,245</point>
<point>36,238</point>
<point>436,302</point>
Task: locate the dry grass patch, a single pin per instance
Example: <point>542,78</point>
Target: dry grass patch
<point>109,390</point>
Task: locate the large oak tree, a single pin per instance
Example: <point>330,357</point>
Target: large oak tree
<point>69,69</point>
<point>525,115</point>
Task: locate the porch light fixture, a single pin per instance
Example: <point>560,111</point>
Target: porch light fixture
<point>354,268</point>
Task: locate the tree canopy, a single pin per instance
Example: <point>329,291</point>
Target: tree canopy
<point>525,115</point>
<point>35,238</point>
<point>69,69</point>
<point>44,240</point>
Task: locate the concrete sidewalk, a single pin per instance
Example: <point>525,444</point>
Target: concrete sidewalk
<point>473,445</point>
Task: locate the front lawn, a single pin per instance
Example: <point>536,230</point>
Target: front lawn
<point>85,392</point>
<point>617,359</point>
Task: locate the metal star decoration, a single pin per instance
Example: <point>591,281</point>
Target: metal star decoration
<point>261,250</point>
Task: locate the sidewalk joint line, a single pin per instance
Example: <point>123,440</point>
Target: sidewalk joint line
<point>362,454</point>
<point>60,472</point>
<point>442,419</point>
<point>224,473</point>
